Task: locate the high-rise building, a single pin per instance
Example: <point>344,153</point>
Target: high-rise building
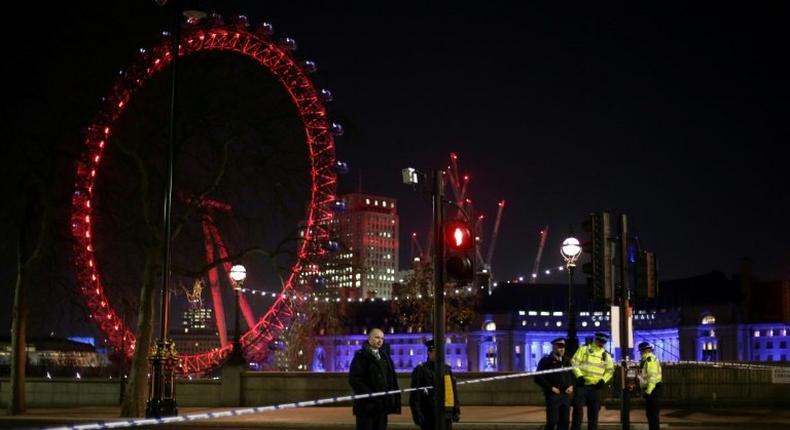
<point>198,332</point>
<point>366,265</point>
<point>198,318</point>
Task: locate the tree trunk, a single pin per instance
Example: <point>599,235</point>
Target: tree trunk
<point>135,398</point>
<point>16,404</point>
<point>30,250</point>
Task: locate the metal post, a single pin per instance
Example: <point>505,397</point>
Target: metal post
<point>573,342</point>
<point>625,400</point>
<point>122,362</point>
<point>438,299</point>
<point>161,398</point>
<point>237,357</point>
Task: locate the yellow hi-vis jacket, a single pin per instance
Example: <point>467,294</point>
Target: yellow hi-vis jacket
<point>650,372</point>
<point>592,363</point>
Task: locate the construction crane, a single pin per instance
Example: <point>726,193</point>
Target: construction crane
<point>494,236</point>
<point>457,186</point>
<point>417,253</point>
<point>543,234</point>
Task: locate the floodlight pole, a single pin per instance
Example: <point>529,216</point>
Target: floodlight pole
<point>438,298</point>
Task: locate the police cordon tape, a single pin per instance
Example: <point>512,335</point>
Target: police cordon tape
<point>121,423</point>
<point>736,365</point>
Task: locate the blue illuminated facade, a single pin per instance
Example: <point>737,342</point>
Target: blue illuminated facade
<point>699,319</point>
<point>492,349</point>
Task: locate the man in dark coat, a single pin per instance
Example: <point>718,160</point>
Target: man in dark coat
<point>422,401</point>
<point>557,387</point>
<point>372,371</point>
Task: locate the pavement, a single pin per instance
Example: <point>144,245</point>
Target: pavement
<point>472,418</point>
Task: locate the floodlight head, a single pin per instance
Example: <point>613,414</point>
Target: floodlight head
<point>410,176</point>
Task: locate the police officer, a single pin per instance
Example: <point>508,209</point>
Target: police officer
<point>593,368</point>
<point>557,387</point>
<point>650,382</point>
<point>422,401</point>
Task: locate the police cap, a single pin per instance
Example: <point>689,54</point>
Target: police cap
<point>558,341</point>
<point>645,346</point>
<point>430,345</point>
<point>601,336</point>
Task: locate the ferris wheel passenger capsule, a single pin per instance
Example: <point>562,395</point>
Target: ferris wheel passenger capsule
<point>339,206</point>
<point>309,66</point>
<point>341,167</point>
<point>240,21</point>
<point>215,19</point>
<point>326,95</point>
<point>264,29</point>
<point>288,44</point>
<point>332,246</point>
<point>337,129</point>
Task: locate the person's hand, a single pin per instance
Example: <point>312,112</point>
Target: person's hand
<point>599,385</point>
<point>580,381</point>
<point>555,390</point>
<point>456,417</point>
<point>569,390</point>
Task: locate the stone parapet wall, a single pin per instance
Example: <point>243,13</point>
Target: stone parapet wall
<point>683,385</point>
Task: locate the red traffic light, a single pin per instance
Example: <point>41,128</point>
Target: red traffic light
<point>458,236</point>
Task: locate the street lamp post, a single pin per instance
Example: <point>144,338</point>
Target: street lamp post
<point>571,250</point>
<point>237,274</point>
<point>164,358</point>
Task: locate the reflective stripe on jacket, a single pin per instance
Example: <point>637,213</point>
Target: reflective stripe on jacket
<point>593,363</point>
<point>650,372</point>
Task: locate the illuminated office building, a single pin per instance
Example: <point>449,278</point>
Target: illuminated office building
<point>366,263</point>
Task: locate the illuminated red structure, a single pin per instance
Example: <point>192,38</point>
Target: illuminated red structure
<point>259,46</point>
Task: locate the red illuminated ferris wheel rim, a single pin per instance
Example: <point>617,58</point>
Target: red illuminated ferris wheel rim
<point>259,47</point>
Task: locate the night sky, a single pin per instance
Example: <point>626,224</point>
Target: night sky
<point>674,114</point>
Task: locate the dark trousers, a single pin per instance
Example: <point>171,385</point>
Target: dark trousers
<point>558,409</point>
<point>588,396</point>
<point>372,422</point>
<point>653,407</point>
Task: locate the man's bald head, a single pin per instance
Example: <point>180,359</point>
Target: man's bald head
<point>376,338</point>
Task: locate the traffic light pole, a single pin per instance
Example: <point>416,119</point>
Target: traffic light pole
<point>625,399</point>
<point>438,299</point>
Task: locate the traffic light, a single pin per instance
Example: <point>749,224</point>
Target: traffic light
<point>646,275</point>
<point>601,253</point>
<point>459,245</point>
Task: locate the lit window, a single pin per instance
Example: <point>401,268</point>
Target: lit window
<point>489,326</point>
<point>708,319</point>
